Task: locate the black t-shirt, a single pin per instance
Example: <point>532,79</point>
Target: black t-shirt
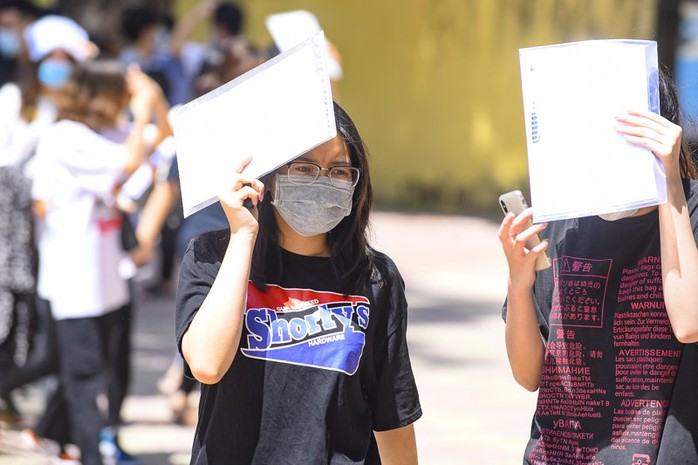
<point>316,371</point>
<point>617,388</point>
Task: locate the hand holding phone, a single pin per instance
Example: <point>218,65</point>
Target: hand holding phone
<point>515,202</point>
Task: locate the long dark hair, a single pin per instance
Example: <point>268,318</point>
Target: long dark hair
<point>670,109</point>
<point>30,89</point>
<point>350,253</point>
<point>95,90</point>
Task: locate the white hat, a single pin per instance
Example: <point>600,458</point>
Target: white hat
<point>53,32</point>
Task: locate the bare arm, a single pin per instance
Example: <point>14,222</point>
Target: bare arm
<point>678,246</point>
<point>137,148</point>
<point>152,218</point>
<point>185,26</point>
<point>211,341</point>
<point>161,110</point>
<point>679,264</point>
<point>146,98</point>
<point>397,446</point>
<point>525,348</point>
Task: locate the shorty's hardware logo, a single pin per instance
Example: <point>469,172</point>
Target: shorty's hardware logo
<point>304,327</point>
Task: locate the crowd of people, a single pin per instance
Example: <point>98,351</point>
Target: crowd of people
<point>294,326</point>
<point>88,195</point>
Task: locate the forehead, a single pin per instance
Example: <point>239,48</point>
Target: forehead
<point>332,151</point>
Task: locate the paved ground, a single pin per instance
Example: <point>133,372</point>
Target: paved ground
<point>455,274</point>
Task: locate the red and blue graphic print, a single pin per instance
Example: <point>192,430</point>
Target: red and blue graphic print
<point>305,327</point>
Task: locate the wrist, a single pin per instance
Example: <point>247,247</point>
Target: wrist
<point>139,123</point>
<point>517,289</point>
<point>242,237</point>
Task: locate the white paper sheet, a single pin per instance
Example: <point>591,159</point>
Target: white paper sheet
<point>292,27</point>
<point>578,164</point>
<point>274,112</point>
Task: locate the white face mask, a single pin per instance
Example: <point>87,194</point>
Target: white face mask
<point>312,209</point>
<point>618,215</point>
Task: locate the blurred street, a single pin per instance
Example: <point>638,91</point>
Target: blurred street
<point>474,413</point>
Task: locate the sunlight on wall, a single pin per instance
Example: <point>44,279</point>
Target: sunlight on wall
<point>434,84</point>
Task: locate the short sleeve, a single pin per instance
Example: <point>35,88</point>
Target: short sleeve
<point>198,270</point>
<point>394,400</point>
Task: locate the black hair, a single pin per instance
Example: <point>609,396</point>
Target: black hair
<point>228,16</point>
<point>351,256</point>
<point>136,20</point>
<point>670,109</point>
<point>95,90</point>
<point>25,8</point>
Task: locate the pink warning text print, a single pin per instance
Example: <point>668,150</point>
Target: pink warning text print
<point>610,365</point>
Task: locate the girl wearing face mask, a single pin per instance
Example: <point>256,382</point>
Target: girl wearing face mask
<point>54,45</point>
<point>295,325</point>
<point>607,334</point>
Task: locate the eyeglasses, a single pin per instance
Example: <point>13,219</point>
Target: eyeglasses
<point>301,172</point>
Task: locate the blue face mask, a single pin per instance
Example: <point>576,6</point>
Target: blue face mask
<point>54,72</point>
<point>9,43</point>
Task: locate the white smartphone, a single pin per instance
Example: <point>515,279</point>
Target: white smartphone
<point>515,202</point>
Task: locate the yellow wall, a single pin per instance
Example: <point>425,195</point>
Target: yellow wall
<point>434,84</point>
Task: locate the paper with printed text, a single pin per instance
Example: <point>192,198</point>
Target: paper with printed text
<point>578,164</point>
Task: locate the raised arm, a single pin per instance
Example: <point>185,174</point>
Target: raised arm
<point>678,244</point>
<point>211,342</point>
<point>185,26</point>
<point>146,100</point>
<point>525,348</point>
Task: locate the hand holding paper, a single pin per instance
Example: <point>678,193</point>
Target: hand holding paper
<point>656,134</point>
<point>235,197</point>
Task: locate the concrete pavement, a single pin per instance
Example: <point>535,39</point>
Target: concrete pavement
<point>474,413</point>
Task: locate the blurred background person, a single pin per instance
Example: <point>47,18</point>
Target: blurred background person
<point>15,16</point>
<point>159,44</point>
<point>53,45</point>
<point>163,49</point>
<point>226,23</point>
<point>237,56</point>
<point>79,168</point>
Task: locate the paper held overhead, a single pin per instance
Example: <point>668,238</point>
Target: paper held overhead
<point>578,164</point>
<point>275,112</point>
<point>292,27</point>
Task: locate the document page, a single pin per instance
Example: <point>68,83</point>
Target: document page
<point>578,164</point>
<point>289,28</point>
<point>275,112</point>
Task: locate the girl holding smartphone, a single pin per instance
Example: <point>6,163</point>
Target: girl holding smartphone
<point>607,334</point>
